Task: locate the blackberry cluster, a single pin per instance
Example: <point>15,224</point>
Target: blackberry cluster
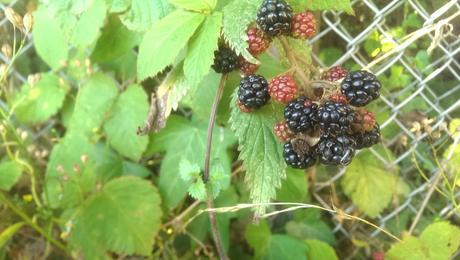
<point>225,60</point>
<point>253,91</point>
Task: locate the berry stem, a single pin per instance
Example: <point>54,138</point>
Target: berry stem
<point>295,64</point>
<point>207,157</point>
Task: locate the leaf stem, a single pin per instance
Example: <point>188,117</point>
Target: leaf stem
<point>209,200</point>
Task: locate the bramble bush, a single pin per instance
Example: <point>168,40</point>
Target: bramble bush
<point>166,129</point>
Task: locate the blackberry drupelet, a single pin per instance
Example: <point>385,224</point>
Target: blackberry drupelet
<point>335,73</point>
<point>303,25</point>
<point>282,131</point>
<point>303,160</point>
<point>300,115</point>
<point>283,88</point>
<point>225,60</point>
<point>367,139</point>
<point>360,88</point>
<point>335,118</point>
<point>258,42</point>
<point>274,17</point>
<point>335,150</point>
<point>253,91</point>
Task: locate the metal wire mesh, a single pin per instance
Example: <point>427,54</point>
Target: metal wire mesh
<point>446,63</point>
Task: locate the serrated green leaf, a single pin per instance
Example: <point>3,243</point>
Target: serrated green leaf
<point>94,100</point>
<point>187,170</point>
<point>128,113</point>
<point>201,96</point>
<point>87,28</point>
<point>142,14</point>
<point>195,5</point>
<point>197,190</point>
<point>49,40</point>
<point>123,217</point>
<point>314,5</point>
<point>9,232</point>
<point>319,250</point>
<point>10,172</point>
<point>237,17</point>
<point>294,187</point>
<point>36,104</point>
<point>260,151</point>
<point>219,178</point>
<point>164,41</point>
<point>201,49</point>
<point>114,41</point>
<point>370,184</point>
<point>438,241</point>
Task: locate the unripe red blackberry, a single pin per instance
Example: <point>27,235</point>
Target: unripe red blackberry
<point>283,88</point>
<point>367,139</point>
<point>282,131</point>
<point>248,68</point>
<point>335,73</point>
<point>363,121</point>
<point>242,107</point>
<point>303,25</point>
<point>338,98</point>
<point>258,41</point>
<point>274,17</point>
<point>225,60</point>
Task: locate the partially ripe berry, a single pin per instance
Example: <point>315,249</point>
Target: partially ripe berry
<point>258,41</point>
<point>338,98</point>
<point>303,25</point>
<point>283,88</point>
<point>248,68</point>
<point>242,107</point>
<point>363,121</point>
<point>335,73</point>
<point>282,131</point>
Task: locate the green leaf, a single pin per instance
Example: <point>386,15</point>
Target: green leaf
<point>10,172</point>
<point>201,49</point>
<point>191,138</point>
<point>128,113</point>
<point>114,41</point>
<point>370,184</point>
<point>119,6</point>
<point>9,232</point>
<point>195,5</point>
<point>135,169</point>
<point>258,237</point>
<point>314,5</point>
<point>438,241</point>
<point>285,247</point>
<point>144,13</point>
<point>260,151</point>
<point>49,40</point>
<point>197,190</point>
<point>188,170</point>
<point>294,187</point>
<point>94,100</point>
<point>164,41</point>
<point>319,250</point>
<point>123,217</point>
<point>87,28</point>
<point>310,229</point>
<point>36,104</point>
<point>237,17</point>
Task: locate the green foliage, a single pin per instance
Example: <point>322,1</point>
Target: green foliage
<point>122,217</point>
<point>438,241</point>
<point>237,16</point>
<point>161,44</point>
<point>9,232</point>
<point>142,14</point>
<point>260,151</point>
<point>313,5</point>
<point>127,114</point>
<point>87,28</point>
<point>37,103</point>
<point>10,172</point>
<point>371,185</point>
<point>308,225</point>
<point>294,188</point>
<point>320,250</point>
<point>197,6</point>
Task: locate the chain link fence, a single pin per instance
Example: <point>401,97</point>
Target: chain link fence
<point>350,34</point>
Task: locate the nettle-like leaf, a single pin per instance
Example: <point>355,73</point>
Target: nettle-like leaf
<point>201,49</point>
<point>260,151</point>
<point>190,137</point>
<point>371,185</point>
<point>10,172</point>
<point>195,5</point>
<point>127,114</point>
<point>49,39</point>
<point>165,40</point>
<point>438,241</point>
<point>37,103</point>
<point>123,217</point>
<point>238,15</point>
<point>314,5</point>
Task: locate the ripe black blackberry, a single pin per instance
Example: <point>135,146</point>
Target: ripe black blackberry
<point>360,88</point>
<point>274,17</point>
<point>335,118</point>
<point>300,115</point>
<point>335,150</point>
<point>253,91</point>
<point>225,60</point>
<point>367,139</point>
<point>302,160</point>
